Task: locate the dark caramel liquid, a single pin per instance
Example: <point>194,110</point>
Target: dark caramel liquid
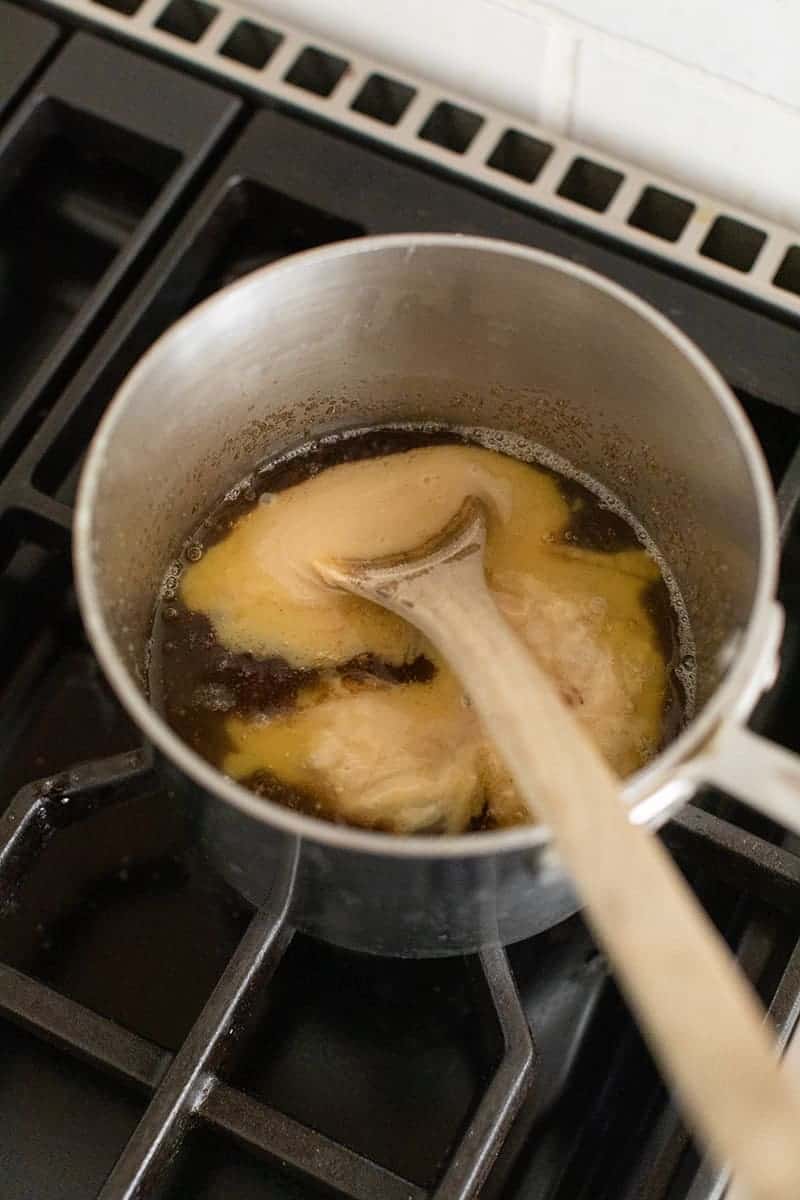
<point>198,683</point>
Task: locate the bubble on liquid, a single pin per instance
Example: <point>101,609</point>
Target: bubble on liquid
<point>267,498</point>
<point>169,613</point>
<point>169,584</point>
<point>194,552</point>
<point>215,697</point>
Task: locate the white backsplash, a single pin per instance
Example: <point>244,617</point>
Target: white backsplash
<point>705,91</point>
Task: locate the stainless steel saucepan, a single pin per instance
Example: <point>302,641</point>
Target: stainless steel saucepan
<point>467,331</point>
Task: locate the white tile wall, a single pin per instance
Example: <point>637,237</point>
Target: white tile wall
<point>494,52</point>
<point>707,91</point>
<point>751,43</point>
<point>676,119</point>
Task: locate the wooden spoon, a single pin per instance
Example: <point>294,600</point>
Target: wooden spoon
<point>701,1018</point>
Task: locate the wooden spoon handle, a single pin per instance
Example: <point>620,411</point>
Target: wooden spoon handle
<point>698,1013</point>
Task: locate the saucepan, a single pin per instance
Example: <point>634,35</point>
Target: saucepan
<point>454,330</point>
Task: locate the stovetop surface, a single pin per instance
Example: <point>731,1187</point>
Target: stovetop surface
<point>130,190</point>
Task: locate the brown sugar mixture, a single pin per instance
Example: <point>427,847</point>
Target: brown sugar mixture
<point>329,704</point>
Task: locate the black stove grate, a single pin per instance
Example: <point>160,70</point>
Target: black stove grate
<point>187,1085</point>
<point>189,1090</point>
<point>158,1038</point>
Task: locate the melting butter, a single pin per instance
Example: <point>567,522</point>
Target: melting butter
<point>401,758</point>
<point>259,586</point>
<point>413,757</point>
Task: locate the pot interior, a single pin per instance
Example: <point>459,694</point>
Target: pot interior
<point>443,329</point>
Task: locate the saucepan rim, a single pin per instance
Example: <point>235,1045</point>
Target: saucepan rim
<point>647,793</point>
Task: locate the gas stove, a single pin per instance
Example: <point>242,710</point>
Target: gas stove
<point>159,1038</point>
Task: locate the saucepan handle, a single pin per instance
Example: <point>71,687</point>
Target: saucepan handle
<point>755,770</point>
